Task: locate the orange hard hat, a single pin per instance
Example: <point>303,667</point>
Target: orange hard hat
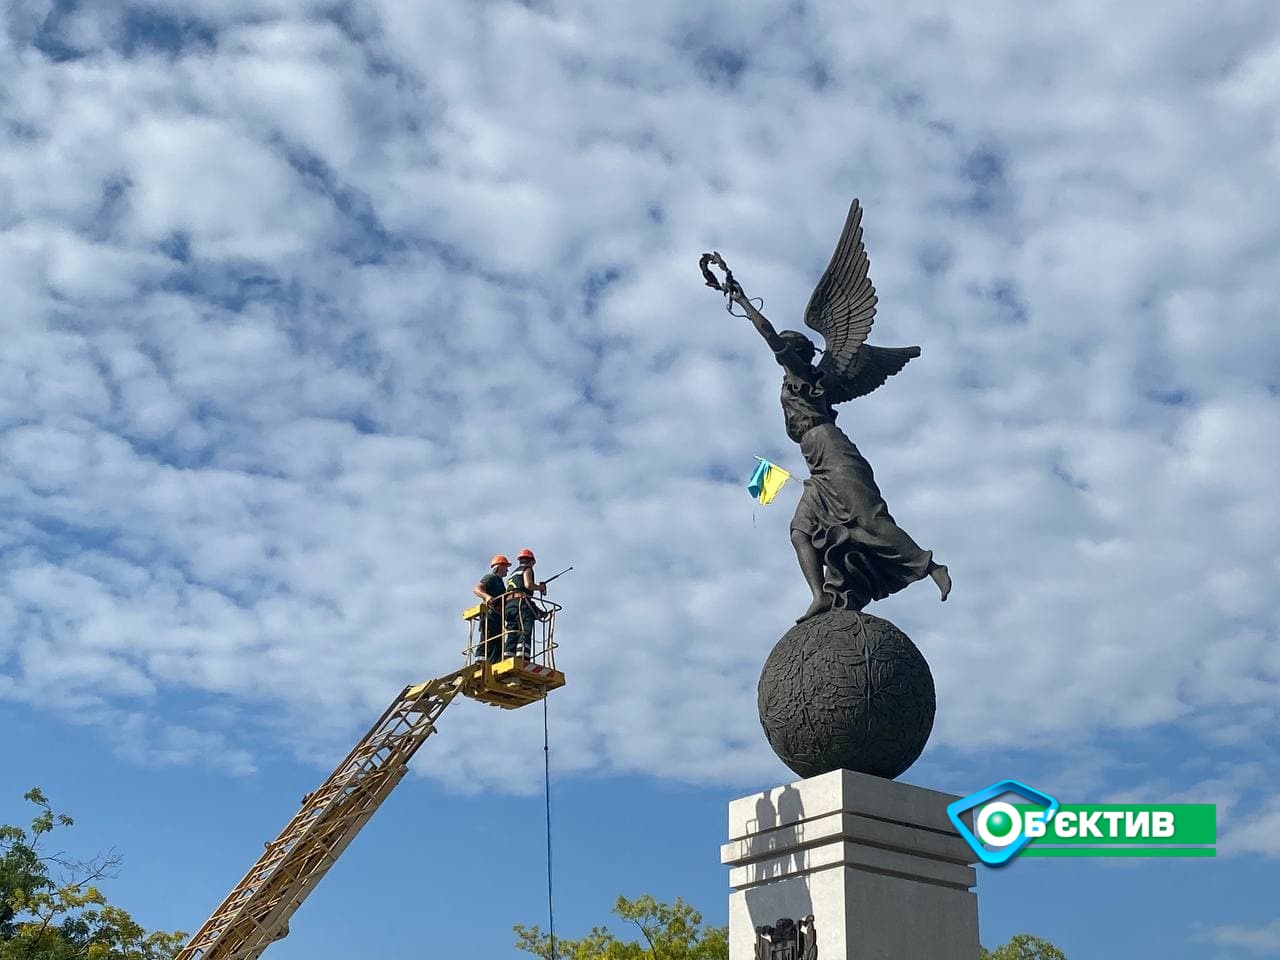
<point>498,560</point>
<point>525,554</point>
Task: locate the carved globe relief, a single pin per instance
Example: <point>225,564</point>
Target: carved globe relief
<point>846,690</point>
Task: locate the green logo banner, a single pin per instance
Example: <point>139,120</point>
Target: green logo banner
<point>1121,830</point>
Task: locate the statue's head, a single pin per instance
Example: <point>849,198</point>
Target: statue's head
<point>798,343</point>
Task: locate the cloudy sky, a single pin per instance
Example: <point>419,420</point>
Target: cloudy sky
<point>309,308</point>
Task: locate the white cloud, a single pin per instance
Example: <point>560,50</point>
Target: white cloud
<point>1257,832</point>
<point>305,322</point>
<point>1262,941</point>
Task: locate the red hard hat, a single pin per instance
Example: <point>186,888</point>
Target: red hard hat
<point>525,554</point>
<point>499,560</point>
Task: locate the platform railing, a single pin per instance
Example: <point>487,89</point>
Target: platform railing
<point>542,636</point>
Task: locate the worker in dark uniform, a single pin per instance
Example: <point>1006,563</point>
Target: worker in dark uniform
<point>490,590</point>
<point>520,610</point>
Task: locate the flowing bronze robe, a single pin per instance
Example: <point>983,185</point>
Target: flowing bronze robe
<point>866,556</point>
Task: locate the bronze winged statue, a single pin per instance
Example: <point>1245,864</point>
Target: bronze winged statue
<point>850,549</point>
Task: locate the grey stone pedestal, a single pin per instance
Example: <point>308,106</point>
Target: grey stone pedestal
<point>876,862</point>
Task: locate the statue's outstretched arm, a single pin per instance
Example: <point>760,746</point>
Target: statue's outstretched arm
<point>758,320</point>
<point>733,290</point>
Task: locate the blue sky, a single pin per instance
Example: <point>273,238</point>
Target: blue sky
<point>310,308</point>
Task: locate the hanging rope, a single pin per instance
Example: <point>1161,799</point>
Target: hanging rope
<point>546,790</point>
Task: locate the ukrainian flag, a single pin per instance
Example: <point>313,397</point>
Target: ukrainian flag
<point>767,480</point>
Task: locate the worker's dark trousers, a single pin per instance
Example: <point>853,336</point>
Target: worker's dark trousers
<point>519,624</point>
<point>491,637</point>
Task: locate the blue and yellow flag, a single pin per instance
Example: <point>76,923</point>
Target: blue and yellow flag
<point>767,480</point>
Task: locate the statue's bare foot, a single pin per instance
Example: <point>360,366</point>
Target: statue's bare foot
<point>821,604</point>
<point>942,579</point>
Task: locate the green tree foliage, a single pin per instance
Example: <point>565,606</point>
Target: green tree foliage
<point>50,908</point>
<point>667,932</point>
<point>1023,946</point>
<point>675,932</point>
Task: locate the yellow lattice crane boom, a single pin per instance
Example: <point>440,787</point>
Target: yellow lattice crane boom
<point>256,913</point>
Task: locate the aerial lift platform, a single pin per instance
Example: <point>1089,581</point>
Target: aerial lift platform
<point>257,912</point>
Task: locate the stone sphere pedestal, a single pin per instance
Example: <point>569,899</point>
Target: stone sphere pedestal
<point>846,691</point>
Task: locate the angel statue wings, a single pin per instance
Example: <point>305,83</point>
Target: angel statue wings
<point>850,549</point>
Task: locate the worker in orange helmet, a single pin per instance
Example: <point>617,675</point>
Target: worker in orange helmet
<point>490,590</point>
<point>521,614</point>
